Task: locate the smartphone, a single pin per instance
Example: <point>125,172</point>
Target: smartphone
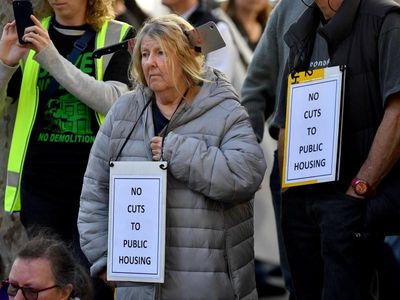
<point>206,38</point>
<point>127,44</point>
<point>22,14</point>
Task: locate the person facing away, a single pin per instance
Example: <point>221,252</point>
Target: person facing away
<point>222,59</point>
<point>45,269</point>
<point>246,21</point>
<point>333,231</point>
<point>60,107</point>
<point>190,117</point>
<point>259,94</point>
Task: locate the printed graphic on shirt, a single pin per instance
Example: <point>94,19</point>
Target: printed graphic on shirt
<point>319,64</point>
<point>320,55</point>
<point>64,118</point>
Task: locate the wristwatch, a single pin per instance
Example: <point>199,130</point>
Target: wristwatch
<point>361,187</point>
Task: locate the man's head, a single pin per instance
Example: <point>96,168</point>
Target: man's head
<point>180,6</point>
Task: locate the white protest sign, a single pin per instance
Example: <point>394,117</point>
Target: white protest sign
<point>313,124</point>
<point>137,211</point>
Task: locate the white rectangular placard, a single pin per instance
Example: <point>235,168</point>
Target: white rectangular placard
<point>137,214</point>
<point>313,127</point>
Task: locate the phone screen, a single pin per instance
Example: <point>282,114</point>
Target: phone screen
<point>22,12</point>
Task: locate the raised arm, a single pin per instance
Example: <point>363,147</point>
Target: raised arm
<point>10,54</point>
<point>98,95</point>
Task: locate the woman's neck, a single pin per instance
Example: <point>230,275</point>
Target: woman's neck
<point>71,20</point>
<point>249,22</point>
<point>168,102</point>
<point>246,16</point>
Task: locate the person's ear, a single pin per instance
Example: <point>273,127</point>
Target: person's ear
<point>66,292</point>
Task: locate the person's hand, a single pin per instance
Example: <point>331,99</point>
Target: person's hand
<point>36,36</point>
<point>11,51</point>
<point>156,147</point>
<point>103,276</point>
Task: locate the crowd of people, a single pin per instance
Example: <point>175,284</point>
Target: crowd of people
<point>203,113</point>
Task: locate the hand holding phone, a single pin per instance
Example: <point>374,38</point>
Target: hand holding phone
<point>22,14</point>
<point>206,38</point>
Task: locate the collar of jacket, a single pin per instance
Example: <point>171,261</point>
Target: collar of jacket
<point>335,31</point>
<point>341,25</point>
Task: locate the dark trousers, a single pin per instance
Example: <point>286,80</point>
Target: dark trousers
<point>329,255</point>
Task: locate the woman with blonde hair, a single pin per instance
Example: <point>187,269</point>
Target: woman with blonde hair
<point>62,94</point>
<point>191,117</point>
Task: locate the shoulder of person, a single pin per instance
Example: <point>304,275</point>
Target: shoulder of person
<point>133,101</point>
<point>378,7</point>
<point>218,85</point>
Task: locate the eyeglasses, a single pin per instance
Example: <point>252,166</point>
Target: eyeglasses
<point>29,293</point>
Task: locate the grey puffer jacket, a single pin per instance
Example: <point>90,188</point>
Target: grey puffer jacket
<point>215,166</point>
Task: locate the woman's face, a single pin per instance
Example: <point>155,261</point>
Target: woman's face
<point>157,71</point>
<point>69,12</point>
<point>36,274</point>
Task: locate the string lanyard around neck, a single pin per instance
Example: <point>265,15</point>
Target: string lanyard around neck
<point>137,121</point>
<point>130,133</point>
<point>166,127</point>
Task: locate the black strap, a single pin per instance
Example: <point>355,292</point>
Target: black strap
<point>129,135</point>
<point>79,46</point>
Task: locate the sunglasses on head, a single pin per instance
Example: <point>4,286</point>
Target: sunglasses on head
<point>29,293</point>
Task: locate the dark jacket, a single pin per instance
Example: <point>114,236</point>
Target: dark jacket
<point>352,38</point>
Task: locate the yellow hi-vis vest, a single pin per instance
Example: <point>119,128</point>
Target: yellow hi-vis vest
<point>111,32</point>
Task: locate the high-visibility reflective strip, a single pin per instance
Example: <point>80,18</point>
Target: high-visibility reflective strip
<point>10,203</point>
<point>112,32</point>
<point>26,114</point>
<point>12,178</point>
<point>11,195</point>
<point>100,41</point>
<point>124,29</point>
<point>109,32</point>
